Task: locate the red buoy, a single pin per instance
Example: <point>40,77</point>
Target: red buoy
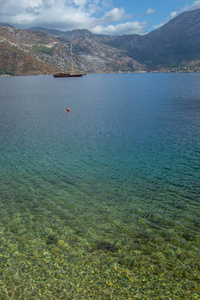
<point>68,109</point>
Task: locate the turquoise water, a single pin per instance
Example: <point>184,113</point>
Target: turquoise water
<point>101,202</point>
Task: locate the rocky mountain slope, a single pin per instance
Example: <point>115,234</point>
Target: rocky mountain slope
<point>25,52</point>
<point>173,47</point>
<point>173,44</point>
<point>74,34</point>
<point>22,53</point>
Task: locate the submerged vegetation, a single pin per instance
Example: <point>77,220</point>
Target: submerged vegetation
<point>101,203</point>
<point>52,249</point>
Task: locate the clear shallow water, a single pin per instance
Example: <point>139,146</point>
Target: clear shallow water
<point>101,202</point>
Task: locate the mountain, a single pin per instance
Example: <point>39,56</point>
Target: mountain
<point>73,34</point>
<point>26,52</point>
<point>77,33</point>
<point>6,25</point>
<point>52,32</point>
<point>100,58</point>
<point>23,53</point>
<point>174,47</point>
<point>174,43</point>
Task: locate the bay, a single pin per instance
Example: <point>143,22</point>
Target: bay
<point>101,202</point>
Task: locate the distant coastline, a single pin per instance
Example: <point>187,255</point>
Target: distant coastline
<point>136,72</point>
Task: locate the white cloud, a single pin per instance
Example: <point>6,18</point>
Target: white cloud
<point>59,18</point>
<point>150,11</point>
<point>126,28</point>
<point>69,14</point>
<point>116,14</point>
<point>80,2</point>
<point>98,16</point>
<point>63,14</point>
<point>195,5</point>
<point>173,14</point>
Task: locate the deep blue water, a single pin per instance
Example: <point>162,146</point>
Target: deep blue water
<point>124,160</point>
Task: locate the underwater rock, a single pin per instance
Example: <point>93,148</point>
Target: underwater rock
<point>52,239</point>
<point>157,270</point>
<point>189,237</point>
<point>80,232</point>
<point>182,256</point>
<point>129,263</point>
<point>154,221</point>
<point>106,246</point>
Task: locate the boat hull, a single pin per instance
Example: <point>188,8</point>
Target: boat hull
<point>61,75</point>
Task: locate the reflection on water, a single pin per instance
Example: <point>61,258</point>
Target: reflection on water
<point>101,202</point>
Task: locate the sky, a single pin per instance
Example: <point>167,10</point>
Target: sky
<point>112,17</point>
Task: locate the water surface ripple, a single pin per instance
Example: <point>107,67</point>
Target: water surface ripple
<point>101,202</point>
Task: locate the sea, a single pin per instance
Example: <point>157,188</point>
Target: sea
<point>101,202</point>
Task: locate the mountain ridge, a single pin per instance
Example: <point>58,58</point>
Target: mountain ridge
<point>54,54</point>
<point>175,42</point>
<point>174,47</point>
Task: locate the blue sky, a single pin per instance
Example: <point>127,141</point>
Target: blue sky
<point>113,17</point>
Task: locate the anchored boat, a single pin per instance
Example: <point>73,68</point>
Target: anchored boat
<point>70,74</point>
<point>60,74</point>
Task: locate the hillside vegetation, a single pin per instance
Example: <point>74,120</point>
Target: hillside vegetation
<point>175,47</point>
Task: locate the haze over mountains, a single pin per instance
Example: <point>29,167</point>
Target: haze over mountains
<point>173,47</point>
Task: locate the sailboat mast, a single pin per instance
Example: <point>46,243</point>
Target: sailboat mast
<point>72,63</point>
<point>68,74</point>
<point>62,61</point>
